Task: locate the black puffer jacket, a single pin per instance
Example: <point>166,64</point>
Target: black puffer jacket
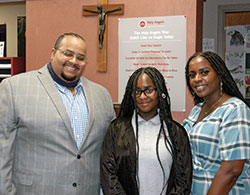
<point>118,160</point>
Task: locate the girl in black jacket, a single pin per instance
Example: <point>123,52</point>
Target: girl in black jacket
<point>129,163</point>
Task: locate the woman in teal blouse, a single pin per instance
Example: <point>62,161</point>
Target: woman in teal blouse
<point>218,128</point>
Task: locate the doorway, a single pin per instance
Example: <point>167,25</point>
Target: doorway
<point>237,49</point>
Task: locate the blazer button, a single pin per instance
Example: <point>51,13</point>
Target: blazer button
<point>78,156</point>
<point>74,184</point>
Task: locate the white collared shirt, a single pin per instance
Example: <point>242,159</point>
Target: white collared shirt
<point>149,171</point>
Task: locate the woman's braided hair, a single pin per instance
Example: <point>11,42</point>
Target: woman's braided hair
<point>228,84</point>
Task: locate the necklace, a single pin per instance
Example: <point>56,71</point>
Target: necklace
<point>206,112</point>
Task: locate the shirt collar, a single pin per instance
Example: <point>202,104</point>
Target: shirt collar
<point>154,121</point>
<point>63,89</point>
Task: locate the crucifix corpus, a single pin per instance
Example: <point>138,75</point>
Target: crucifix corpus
<point>102,10</point>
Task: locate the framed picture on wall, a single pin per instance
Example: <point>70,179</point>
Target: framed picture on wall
<point>3,38</point>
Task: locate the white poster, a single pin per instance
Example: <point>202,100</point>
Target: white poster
<point>159,42</point>
<point>235,62</point>
<point>238,56</point>
<point>235,38</point>
<point>207,45</point>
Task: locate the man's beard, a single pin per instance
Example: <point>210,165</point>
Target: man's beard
<point>69,79</point>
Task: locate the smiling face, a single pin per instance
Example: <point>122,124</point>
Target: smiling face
<point>147,104</point>
<point>203,79</point>
<point>68,69</point>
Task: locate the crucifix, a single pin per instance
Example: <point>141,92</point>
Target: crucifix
<point>102,10</point>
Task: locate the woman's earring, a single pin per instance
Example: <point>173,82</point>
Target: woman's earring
<point>163,95</point>
<point>221,88</point>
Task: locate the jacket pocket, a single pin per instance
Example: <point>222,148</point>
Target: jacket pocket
<point>22,178</point>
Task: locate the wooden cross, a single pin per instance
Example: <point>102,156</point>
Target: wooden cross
<point>102,10</point>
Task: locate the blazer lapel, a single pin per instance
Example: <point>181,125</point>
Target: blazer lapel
<point>90,104</point>
<point>55,97</point>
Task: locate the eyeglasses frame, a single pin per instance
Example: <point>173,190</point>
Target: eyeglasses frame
<point>74,55</point>
<point>144,91</point>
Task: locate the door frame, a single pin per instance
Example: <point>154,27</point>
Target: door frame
<point>222,10</point>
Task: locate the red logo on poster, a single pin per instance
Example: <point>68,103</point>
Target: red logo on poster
<point>142,24</point>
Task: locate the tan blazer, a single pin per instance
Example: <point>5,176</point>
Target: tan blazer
<point>38,153</point>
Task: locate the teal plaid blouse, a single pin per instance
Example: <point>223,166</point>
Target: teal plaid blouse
<point>222,135</point>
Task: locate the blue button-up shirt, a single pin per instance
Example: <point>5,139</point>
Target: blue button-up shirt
<point>77,109</point>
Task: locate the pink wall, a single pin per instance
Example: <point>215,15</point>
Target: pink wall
<point>47,19</point>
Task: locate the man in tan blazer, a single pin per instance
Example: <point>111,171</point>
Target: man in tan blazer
<point>52,124</point>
